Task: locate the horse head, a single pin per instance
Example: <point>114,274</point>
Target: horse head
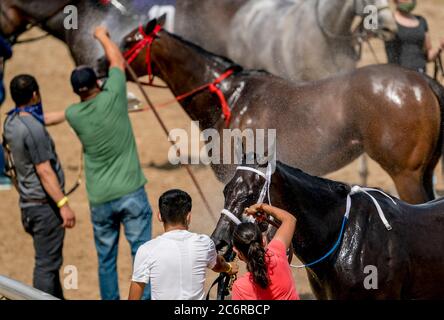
<point>386,27</point>
<point>248,186</point>
<point>131,41</point>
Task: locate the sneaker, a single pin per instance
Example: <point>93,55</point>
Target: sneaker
<point>134,104</point>
<point>5,184</point>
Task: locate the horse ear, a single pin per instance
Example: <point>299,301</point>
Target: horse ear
<point>162,20</point>
<point>149,28</point>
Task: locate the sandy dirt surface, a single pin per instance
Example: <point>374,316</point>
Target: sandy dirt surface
<point>50,62</point>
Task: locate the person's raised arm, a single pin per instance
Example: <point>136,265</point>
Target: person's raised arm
<point>112,51</point>
<point>51,185</point>
<point>288,222</point>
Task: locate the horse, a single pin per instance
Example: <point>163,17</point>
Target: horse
<point>296,39</point>
<point>233,28</point>
<point>392,114</point>
<point>315,38</point>
<point>402,242</point>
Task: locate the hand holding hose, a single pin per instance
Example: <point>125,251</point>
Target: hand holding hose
<point>257,211</point>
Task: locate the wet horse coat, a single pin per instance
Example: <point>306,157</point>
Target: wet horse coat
<point>409,258</point>
<point>391,113</point>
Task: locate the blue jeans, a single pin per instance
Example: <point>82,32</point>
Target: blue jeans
<point>2,162</point>
<point>2,90</point>
<point>134,212</point>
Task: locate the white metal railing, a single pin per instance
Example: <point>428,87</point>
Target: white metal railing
<point>14,290</point>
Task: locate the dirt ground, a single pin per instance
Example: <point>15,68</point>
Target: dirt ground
<point>50,62</point>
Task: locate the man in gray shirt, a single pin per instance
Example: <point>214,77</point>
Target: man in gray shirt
<point>40,179</point>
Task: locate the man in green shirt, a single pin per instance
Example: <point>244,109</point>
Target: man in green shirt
<point>114,178</point>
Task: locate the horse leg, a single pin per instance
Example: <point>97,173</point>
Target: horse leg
<point>428,182</point>
<point>363,169</point>
<point>410,186</point>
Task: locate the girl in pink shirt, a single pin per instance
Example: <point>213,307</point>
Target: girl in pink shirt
<point>269,275</point>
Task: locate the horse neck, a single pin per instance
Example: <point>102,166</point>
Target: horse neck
<point>185,67</point>
<point>318,205</point>
<point>32,11</point>
<point>337,15</point>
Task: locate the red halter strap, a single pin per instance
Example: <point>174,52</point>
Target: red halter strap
<point>147,42</point>
<point>213,87</point>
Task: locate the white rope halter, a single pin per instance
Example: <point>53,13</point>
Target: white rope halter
<point>264,192</point>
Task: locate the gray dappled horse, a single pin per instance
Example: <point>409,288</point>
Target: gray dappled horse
<point>303,39</point>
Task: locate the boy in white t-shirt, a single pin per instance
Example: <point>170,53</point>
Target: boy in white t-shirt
<point>175,262</point>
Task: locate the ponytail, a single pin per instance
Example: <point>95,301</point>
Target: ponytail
<point>247,238</point>
<point>256,264</point>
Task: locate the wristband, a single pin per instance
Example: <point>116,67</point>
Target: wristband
<point>62,202</point>
<point>230,268</point>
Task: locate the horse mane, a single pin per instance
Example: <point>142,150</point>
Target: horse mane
<point>320,185</point>
<point>226,62</point>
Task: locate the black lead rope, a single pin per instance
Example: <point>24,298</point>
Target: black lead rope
<point>218,280</point>
<point>439,68</point>
<point>223,280</point>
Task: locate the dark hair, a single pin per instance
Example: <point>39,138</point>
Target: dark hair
<point>174,206</point>
<point>22,89</point>
<point>83,80</point>
<point>247,238</point>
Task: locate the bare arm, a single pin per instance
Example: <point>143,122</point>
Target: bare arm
<point>288,221</point>
<point>51,185</point>
<point>136,290</point>
<point>54,118</point>
<point>112,51</point>
<point>223,266</point>
<point>430,51</point>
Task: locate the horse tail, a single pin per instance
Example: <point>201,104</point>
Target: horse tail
<point>438,90</point>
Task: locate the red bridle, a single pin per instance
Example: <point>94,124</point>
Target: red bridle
<point>147,41</point>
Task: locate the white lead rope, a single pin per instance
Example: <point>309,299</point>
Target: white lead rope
<point>354,190</point>
<point>357,189</point>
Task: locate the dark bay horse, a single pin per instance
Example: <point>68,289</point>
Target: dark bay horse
<point>409,259</point>
<point>391,113</point>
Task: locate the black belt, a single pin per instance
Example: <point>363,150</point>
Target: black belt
<point>39,201</point>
